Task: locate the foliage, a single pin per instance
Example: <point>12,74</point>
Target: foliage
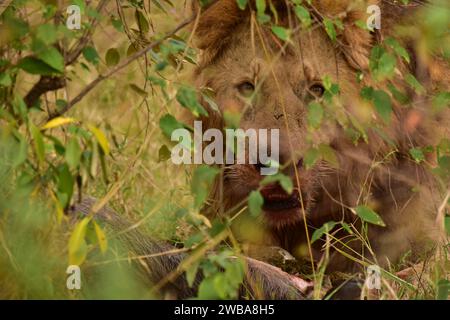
<point>91,111</point>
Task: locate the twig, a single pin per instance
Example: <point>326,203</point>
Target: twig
<point>48,83</point>
<point>84,40</point>
<point>119,67</point>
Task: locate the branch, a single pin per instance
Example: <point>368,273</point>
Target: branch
<point>119,67</point>
<point>73,55</point>
<point>47,83</point>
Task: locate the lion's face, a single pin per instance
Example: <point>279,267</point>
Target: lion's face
<point>270,84</point>
<point>275,84</point>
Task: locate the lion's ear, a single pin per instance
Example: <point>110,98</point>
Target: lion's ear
<point>217,20</point>
<point>357,42</point>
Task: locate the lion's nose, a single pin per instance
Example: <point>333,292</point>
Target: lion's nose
<point>278,115</point>
<point>284,163</point>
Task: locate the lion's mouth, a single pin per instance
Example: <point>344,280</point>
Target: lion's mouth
<point>279,206</point>
<point>276,199</point>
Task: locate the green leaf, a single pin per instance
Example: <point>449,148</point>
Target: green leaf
<point>57,146</point>
<point>117,24</point>
<point>368,215</point>
<point>398,49</point>
<point>157,81</point>
<point>261,6</point>
<point>329,28</point>
<point>338,23</point>
<point>73,153</point>
<point>207,290</point>
<point>53,58</point>
<point>347,227</point>
<point>255,203</point>
<point>283,180</point>
<point>382,64</point>
<point>444,166</point>
<point>193,240</point>
<point>77,243</point>
<point>187,97</point>
<point>65,185</point>
<point>5,80</point>
<point>387,64</point>
<point>263,18</point>
<point>91,237</point>
<point>58,207</point>
<point>443,289</point>
<point>315,114</point>
<point>234,274</point>
<point>221,285</point>
<point>101,138</point>
<point>397,94</point>
<point>132,49</point>
<point>417,154</point>
<point>217,228</point>
<point>33,65</point>
<point>112,57</point>
<point>191,274</point>
<point>101,237</point>
<point>361,24</point>
<point>381,100</point>
<point>441,100</point>
<point>142,21</point>
<point>163,153</point>
<point>242,4</point>
<point>101,156</point>
<point>38,140</point>
<point>168,124</point>
<point>383,104</point>
<point>91,55</point>
<point>326,228</point>
<point>414,83</point>
<point>367,93</point>
<point>447,224</point>
<point>138,90</point>
<point>16,27</point>
<point>328,154</point>
<point>281,32</point>
<point>20,108</point>
<point>202,181</point>
<point>261,9</point>
<point>311,157</point>
<point>81,4</point>
<point>22,151</point>
<point>303,15</point>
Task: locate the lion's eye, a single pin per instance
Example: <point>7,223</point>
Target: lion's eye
<point>317,90</point>
<point>246,89</point>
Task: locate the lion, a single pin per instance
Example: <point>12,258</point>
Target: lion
<point>271,83</point>
<point>363,199</point>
